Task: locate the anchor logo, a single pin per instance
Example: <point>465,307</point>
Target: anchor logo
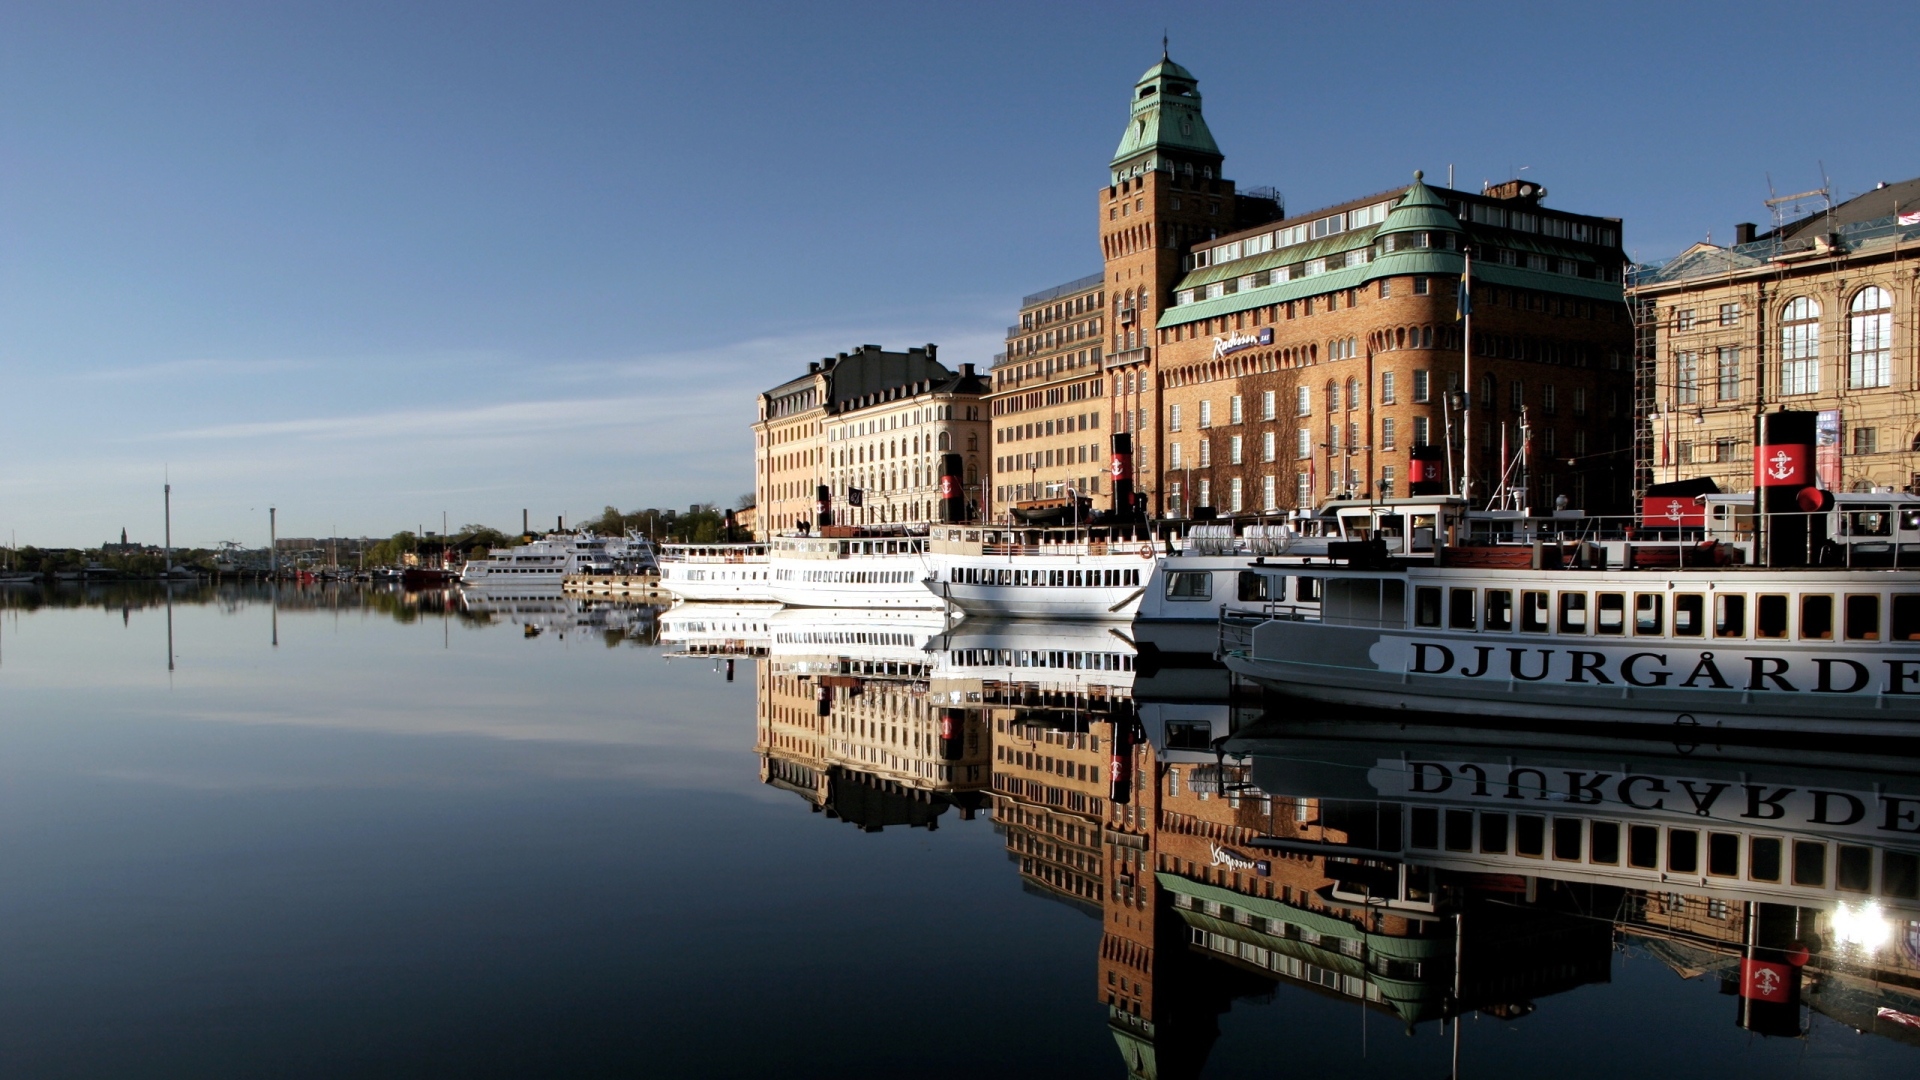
<point>1782,467</point>
<point>1674,511</point>
<point>1766,982</point>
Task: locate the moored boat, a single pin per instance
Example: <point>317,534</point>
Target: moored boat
<point>715,572</point>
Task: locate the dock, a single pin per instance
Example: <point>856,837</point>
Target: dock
<point>645,586</point>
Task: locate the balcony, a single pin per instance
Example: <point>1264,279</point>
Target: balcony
<point>1131,356</point>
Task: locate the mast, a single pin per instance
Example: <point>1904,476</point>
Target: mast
<point>1466,376</point>
<point>166,495</point>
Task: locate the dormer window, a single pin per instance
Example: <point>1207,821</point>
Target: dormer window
<point>1148,91</point>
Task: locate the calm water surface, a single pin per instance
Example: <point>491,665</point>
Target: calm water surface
<point>370,835</point>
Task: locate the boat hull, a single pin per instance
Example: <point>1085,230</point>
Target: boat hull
<point>1519,678</point>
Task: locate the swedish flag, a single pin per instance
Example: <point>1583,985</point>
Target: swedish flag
<point>1463,306</point>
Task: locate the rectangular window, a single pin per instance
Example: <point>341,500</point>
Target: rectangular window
<point>1423,828</point>
<point>1643,846</point>
<point>1173,418</point>
<point>1533,612</point>
<point>1269,495</point>
<point>1906,617</point>
<point>1729,314</point>
<point>1386,388</point>
<point>1683,319</point>
<point>1772,621</point>
<point>1810,863</point>
<point>1206,455</point>
<point>1303,402</point>
<point>1866,440</point>
<point>1386,482</point>
<point>1567,836</point>
<point>1173,456</point>
<point>1460,613</point>
<point>1605,847</point>
<point>1266,405</point>
<point>1516,395</point>
<point>1234,413</point>
<point>1610,613</point>
<point>1499,609</point>
<point>1573,613</point>
<point>1763,858</point>
<point>1206,414</point>
<point>1689,615</point>
<point>1493,834</point>
<point>1304,447</point>
<point>1900,875</point>
<point>1683,851</point>
<point>1234,488</point>
<point>1723,854</point>
<point>1649,614</point>
<point>1729,615</point>
<point>1686,378</point>
<point>1266,446</point>
<point>1459,835</point>
<point>1422,431</point>
<point>1233,449</point>
<point>1422,387</point>
<point>1386,434</point>
<point>1302,488</point>
<point>1853,868</point>
<point>1816,618</point>
<point>1419,286</point>
<point>1726,372</point>
<point>1426,606</point>
<point>1529,835</point>
<point>1863,617</point>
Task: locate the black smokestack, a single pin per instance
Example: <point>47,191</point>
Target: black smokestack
<point>1424,475</point>
<point>1782,469</point>
<point>1122,475</point>
<point>823,506</point>
<point>953,493</point>
<point>953,732</point>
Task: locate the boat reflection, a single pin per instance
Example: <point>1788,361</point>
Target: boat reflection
<point>1230,854</point>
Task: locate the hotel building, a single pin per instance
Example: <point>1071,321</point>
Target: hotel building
<point>870,425</point>
<point>1815,316</point>
<point>1217,304</point>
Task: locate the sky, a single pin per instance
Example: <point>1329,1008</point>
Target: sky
<point>376,263</point>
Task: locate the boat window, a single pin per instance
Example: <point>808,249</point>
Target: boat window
<point>1253,585</point>
<point>1369,602</point>
<point>1689,615</point>
<point>1611,614</point>
<point>1729,615</point>
<point>1424,828</point>
<point>1810,863</point>
<point>1900,875</point>
<point>1493,834</point>
<point>1499,609</point>
<point>1567,837</point>
<point>1906,617</point>
<point>1533,612</point>
<point>1306,589</point>
<point>1863,617</point>
<point>1816,617</point>
<point>1683,851</point>
<point>1649,616</point>
<point>1643,846</point>
<point>1723,854</point>
<point>1426,606</point>
<point>1573,613</point>
<point>1459,830</point>
<point>1771,619</point>
<point>1853,869</point>
<point>1460,609</point>
<point>1909,520</point>
<point>1870,521</point>
<point>1606,842</point>
<point>1529,835</point>
<point>1763,858</point>
<point>1190,586</point>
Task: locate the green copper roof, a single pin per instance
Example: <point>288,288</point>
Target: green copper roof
<point>1420,210</point>
<point>1165,115</point>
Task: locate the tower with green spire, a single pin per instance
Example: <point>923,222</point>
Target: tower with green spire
<point>1165,126</point>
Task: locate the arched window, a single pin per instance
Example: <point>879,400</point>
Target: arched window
<point>1870,339</point>
<point>1426,337</point>
<point>1400,338</point>
<point>944,440</point>
<point>1800,346</point>
<point>1333,396</point>
<point>1353,393</point>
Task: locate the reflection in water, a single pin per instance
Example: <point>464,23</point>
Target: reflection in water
<point>1229,857</point>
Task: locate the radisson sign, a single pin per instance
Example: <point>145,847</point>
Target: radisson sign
<point>1233,343</point>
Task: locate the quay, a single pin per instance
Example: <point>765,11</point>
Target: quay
<point>632,585</point>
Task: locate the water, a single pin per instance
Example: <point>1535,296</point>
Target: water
<point>354,834</point>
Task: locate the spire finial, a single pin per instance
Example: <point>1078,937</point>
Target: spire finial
<point>1418,175</point>
<point>1163,44</point>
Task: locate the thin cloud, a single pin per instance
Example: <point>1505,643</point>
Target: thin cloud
<point>194,369</point>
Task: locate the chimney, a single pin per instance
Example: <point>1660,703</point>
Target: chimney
<point>1743,233</point>
<point>932,350</point>
<point>813,367</point>
<point>966,371</point>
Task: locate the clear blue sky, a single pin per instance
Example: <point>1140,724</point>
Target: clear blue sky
<point>372,262</point>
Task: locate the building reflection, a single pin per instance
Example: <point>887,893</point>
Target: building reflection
<point>1230,855</point>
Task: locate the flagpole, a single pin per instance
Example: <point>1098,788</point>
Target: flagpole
<point>1466,412</point>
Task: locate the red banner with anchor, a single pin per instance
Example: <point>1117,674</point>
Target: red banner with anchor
<point>1763,981</point>
<point>1674,510</point>
<point>1783,466</point>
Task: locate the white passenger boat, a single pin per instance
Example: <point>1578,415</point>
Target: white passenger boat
<point>716,572</point>
<point>551,558</point>
<point>853,568</point>
<point>1027,572</point>
<point>718,629</point>
<point>1525,631</point>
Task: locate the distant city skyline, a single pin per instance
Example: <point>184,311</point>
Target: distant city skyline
<point>369,265</point>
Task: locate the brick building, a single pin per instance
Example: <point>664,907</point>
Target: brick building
<point>1216,305</point>
<point>1817,316</point>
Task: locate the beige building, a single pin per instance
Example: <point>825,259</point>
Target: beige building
<point>1816,316</point>
<point>872,422</point>
<point>1048,434</point>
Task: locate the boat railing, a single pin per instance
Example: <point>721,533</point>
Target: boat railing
<point>1093,547</point>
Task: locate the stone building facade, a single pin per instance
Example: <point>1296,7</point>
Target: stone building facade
<point>869,421</point>
<point>1817,316</point>
<point>1046,401</point>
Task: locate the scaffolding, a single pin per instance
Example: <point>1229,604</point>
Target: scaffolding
<point>1646,391</point>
